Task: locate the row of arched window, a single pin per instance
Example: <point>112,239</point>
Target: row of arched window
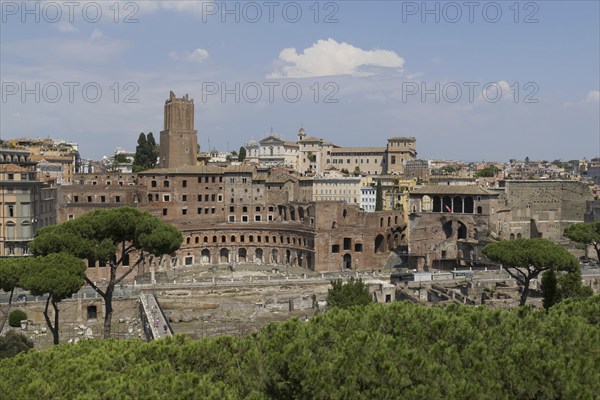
<point>291,240</point>
<point>13,158</point>
<point>389,221</point>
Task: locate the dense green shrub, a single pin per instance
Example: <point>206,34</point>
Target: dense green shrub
<point>397,351</point>
<point>15,317</point>
<point>14,343</point>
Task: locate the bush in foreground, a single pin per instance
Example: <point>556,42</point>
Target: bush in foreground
<point>14,343</point>
<point>399,351</point>
<point>15,317</point>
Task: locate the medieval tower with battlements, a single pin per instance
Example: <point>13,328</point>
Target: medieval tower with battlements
<point>179,139</point>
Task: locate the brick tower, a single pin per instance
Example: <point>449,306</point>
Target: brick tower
<point>178,140</point>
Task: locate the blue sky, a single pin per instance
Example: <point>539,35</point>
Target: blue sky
<point>470,80</point>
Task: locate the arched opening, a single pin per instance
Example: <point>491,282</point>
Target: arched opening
<point>205,240</point>
<point>458,205</point>
<point>447,204</point>
<point>447,227</point>
<point>288,257</point>
<point>396,220</point>
<point>468,208</point>
<point>232,239</point>
<point>274,256</point>
<point>426,204</point>
<point>334,225</point>
<point>150,198</point>
<point>462,230</point>
<point>188,240</point>
<point>258,256</point>
<point>437,204</point>
<point>214,239</point>
<point>223,239</point>
<point>224,256</point>
<point>519,235</point>
<point>205,256</point>
<point>197,239</point>
<point>389,221</point>
<point>292,213</point>
<point>300,213</point>
<point>456,229</point>
<point>347,261</point>
<point>379,247</point>
<point>479,210</point>
<point>381,223</point>
<point>345,213</point>
<point>242,255</point>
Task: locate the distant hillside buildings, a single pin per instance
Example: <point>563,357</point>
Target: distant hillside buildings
<point>307,203</point>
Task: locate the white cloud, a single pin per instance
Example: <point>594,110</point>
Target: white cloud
<point>65,26</point>
<point>593,96</point>
<point>330,58</point>
<point>97,34</point>
<point>197,56</point>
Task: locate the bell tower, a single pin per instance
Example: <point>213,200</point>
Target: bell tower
<point>178,140</point>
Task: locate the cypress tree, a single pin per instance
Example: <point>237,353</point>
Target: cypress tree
<point>152,150</point>
<point>379,197</point>
<point>140,160</point>
<point>549,288</point>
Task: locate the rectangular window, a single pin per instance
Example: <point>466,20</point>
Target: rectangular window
<point>117,199</point>
<point>166,197</point>
<point>358,247</point>
<point>164,211</point>
<point>244,218</point>
<point>89,199</point>
<point>257,218</point>
<point>184,197</point>
<point>184,211</point>
<point>184,183</point>
<point>335,248</point>
<point>199,210</point>
<point>102,199</point>
<point>213,210</point>
<point>199,198</point>
<point>166,184</point>
<point>75,199</point>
